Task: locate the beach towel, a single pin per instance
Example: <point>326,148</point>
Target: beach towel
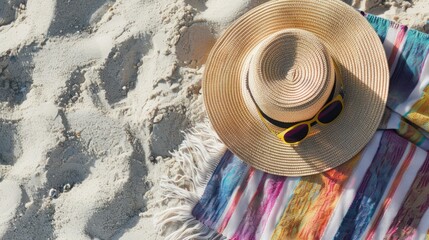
<point>383,192</point>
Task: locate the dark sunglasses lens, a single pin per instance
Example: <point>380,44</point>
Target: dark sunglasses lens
<point>330,112</point>
<point>296,134</point>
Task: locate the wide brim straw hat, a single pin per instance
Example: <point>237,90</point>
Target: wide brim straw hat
<point>285,58</point>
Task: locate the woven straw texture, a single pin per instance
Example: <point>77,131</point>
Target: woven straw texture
<point>290,75</point>
<point>348,39</point>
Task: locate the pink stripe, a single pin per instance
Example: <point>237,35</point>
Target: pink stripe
<point>260,207</point>
<point>275,187</point>
<point>398,41</point>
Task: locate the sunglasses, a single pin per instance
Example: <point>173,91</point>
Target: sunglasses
<point>298,132</point>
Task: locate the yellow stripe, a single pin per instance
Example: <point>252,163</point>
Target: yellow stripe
<point>419,113</point>
<point>299,219</point>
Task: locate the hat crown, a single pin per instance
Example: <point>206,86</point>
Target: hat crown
<point>291,75</point>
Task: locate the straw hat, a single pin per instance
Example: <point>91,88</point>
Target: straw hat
<point>284,57</point>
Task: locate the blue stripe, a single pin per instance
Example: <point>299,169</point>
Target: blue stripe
<point>373,185</point>
<point>408,69</point>
<point>228,174</point>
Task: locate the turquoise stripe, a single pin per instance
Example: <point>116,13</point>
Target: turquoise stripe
<point>380,25</point>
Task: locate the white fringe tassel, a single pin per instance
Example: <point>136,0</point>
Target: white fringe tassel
<point>198,157</point>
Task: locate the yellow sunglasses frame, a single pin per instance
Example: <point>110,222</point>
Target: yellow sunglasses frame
<point>281,134</point>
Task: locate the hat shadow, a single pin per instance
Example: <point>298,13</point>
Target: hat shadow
<point>326,144</point>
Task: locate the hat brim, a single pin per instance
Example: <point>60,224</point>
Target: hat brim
<point>359,54</point>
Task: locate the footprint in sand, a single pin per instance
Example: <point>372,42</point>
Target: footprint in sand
<point>119,73</point>
<point>67,164</point>
<point>16,72</point>
<point>77,15</point>
<point>167,133</point>
<point>72,91</point>
<point>10,148</point>
<point>194,44</point>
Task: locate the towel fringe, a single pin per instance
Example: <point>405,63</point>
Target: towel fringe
<point>197,157</point>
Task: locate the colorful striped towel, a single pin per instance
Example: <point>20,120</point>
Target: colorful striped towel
<point>383,192</point>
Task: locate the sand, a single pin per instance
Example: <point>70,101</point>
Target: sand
<point>94,96</point>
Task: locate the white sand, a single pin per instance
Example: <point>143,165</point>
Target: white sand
<point>94,95</point>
